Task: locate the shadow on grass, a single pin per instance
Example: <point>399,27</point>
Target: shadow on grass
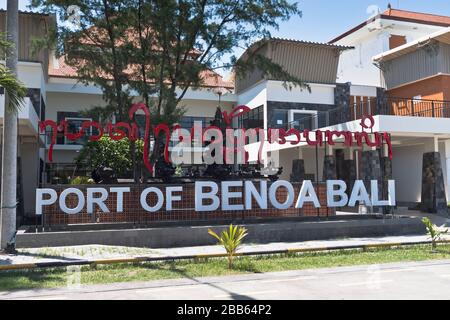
<point>31,279</point>
<point>179,269</point>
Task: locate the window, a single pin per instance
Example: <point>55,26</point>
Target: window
<point>253,119</point>
<point>75,120</point>
<point>279,118</point>
<point>187,122</point>
<point>396,41</point>
<point>74,126</point>
<point>303,119</point>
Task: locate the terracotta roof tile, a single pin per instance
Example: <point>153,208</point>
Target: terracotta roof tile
<point>62,70</point>
<point>401,15</point>
<point>418,16</point>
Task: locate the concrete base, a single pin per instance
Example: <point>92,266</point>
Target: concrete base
<point>182,236</point>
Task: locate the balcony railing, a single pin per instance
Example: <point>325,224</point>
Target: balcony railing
<point>414,108</point>
<point>388,106</point>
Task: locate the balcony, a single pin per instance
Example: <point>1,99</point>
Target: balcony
<point>27,116</point>
<point>402,107</point>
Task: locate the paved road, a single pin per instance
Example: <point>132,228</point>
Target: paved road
<point>412,280</point>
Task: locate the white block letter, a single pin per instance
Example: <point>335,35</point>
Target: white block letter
<point>251,192</point>
<point>170,197</point>
<point>359,193</point>
<point>340,192</point>
<point>158,204</point>
<point>98,201</point>
<point>307,194</point>
<point>391,193</point>
<point>200,195</point>
<point>40,201</point>
<point>227,195</point>
<point>62,200</point>
<point>273,191</point>
<point>120,191</point>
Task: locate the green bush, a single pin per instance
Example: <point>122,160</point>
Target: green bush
<point>110,153</point>
<point>82,180</point>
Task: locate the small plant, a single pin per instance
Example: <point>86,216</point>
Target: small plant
<point>81,180</point>
<point>433,231</point>
<point>178,171</point>
<point>230,239</point>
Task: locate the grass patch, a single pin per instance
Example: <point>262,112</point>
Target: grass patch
<point>58,277</point>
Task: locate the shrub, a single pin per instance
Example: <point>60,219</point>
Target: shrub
<point>434,232</point>
<point>82,180</point>
<point>110,153</point>
<point>231,240</point>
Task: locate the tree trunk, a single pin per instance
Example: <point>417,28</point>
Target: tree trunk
<point>9,156</point>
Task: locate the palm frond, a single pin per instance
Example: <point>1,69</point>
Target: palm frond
<point>14,88</point>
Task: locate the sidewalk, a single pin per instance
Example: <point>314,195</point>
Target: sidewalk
<point>100,252</point>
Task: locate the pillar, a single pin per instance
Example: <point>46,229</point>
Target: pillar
<point>329,164</point>
<point>433,198</point>
<point>298,168</point>
<point>349,169</point>
<point>371,170</point>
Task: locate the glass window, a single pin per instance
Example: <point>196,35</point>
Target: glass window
<point>74,126</point>
<point>253,119</point>
<point>279,118</point>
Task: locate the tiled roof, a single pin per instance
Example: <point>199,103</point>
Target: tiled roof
<point>62,70</point>
<point>417,16</point>
<point>401,15</point>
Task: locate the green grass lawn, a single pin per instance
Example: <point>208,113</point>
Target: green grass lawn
<point>57,277</point>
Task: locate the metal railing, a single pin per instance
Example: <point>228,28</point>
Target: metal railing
<point>402,107</point>
<point>388,106</point>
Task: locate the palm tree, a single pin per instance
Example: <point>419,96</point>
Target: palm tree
<point>15,93</point>
<point>14,89</point>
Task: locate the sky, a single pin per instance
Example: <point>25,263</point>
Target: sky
<point>322,20</point>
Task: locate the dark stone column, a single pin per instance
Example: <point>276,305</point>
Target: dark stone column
<point>341,100</point>
<point>329,168</point>
<point>433,189</point>
<point>349,174</point>
<point>382,106</point>
<point>298,170</point>
<point>342,95</point>
<point>371,170</point>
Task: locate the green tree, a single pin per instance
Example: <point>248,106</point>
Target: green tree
<point>110,153</point>
<point>163,48</point>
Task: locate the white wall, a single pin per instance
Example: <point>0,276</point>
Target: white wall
<point>70,102</point>
<point>356,65</point>
<point>203,108</point>
<point>320,93</point>
<point>407,172</point>
<point>309,157</point>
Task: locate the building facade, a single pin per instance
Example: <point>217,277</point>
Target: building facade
<point>395,66</point>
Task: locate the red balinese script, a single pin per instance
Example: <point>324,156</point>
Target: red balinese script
<point>120,130</point>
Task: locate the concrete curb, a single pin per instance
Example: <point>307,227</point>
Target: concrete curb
<point>54,264</point>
